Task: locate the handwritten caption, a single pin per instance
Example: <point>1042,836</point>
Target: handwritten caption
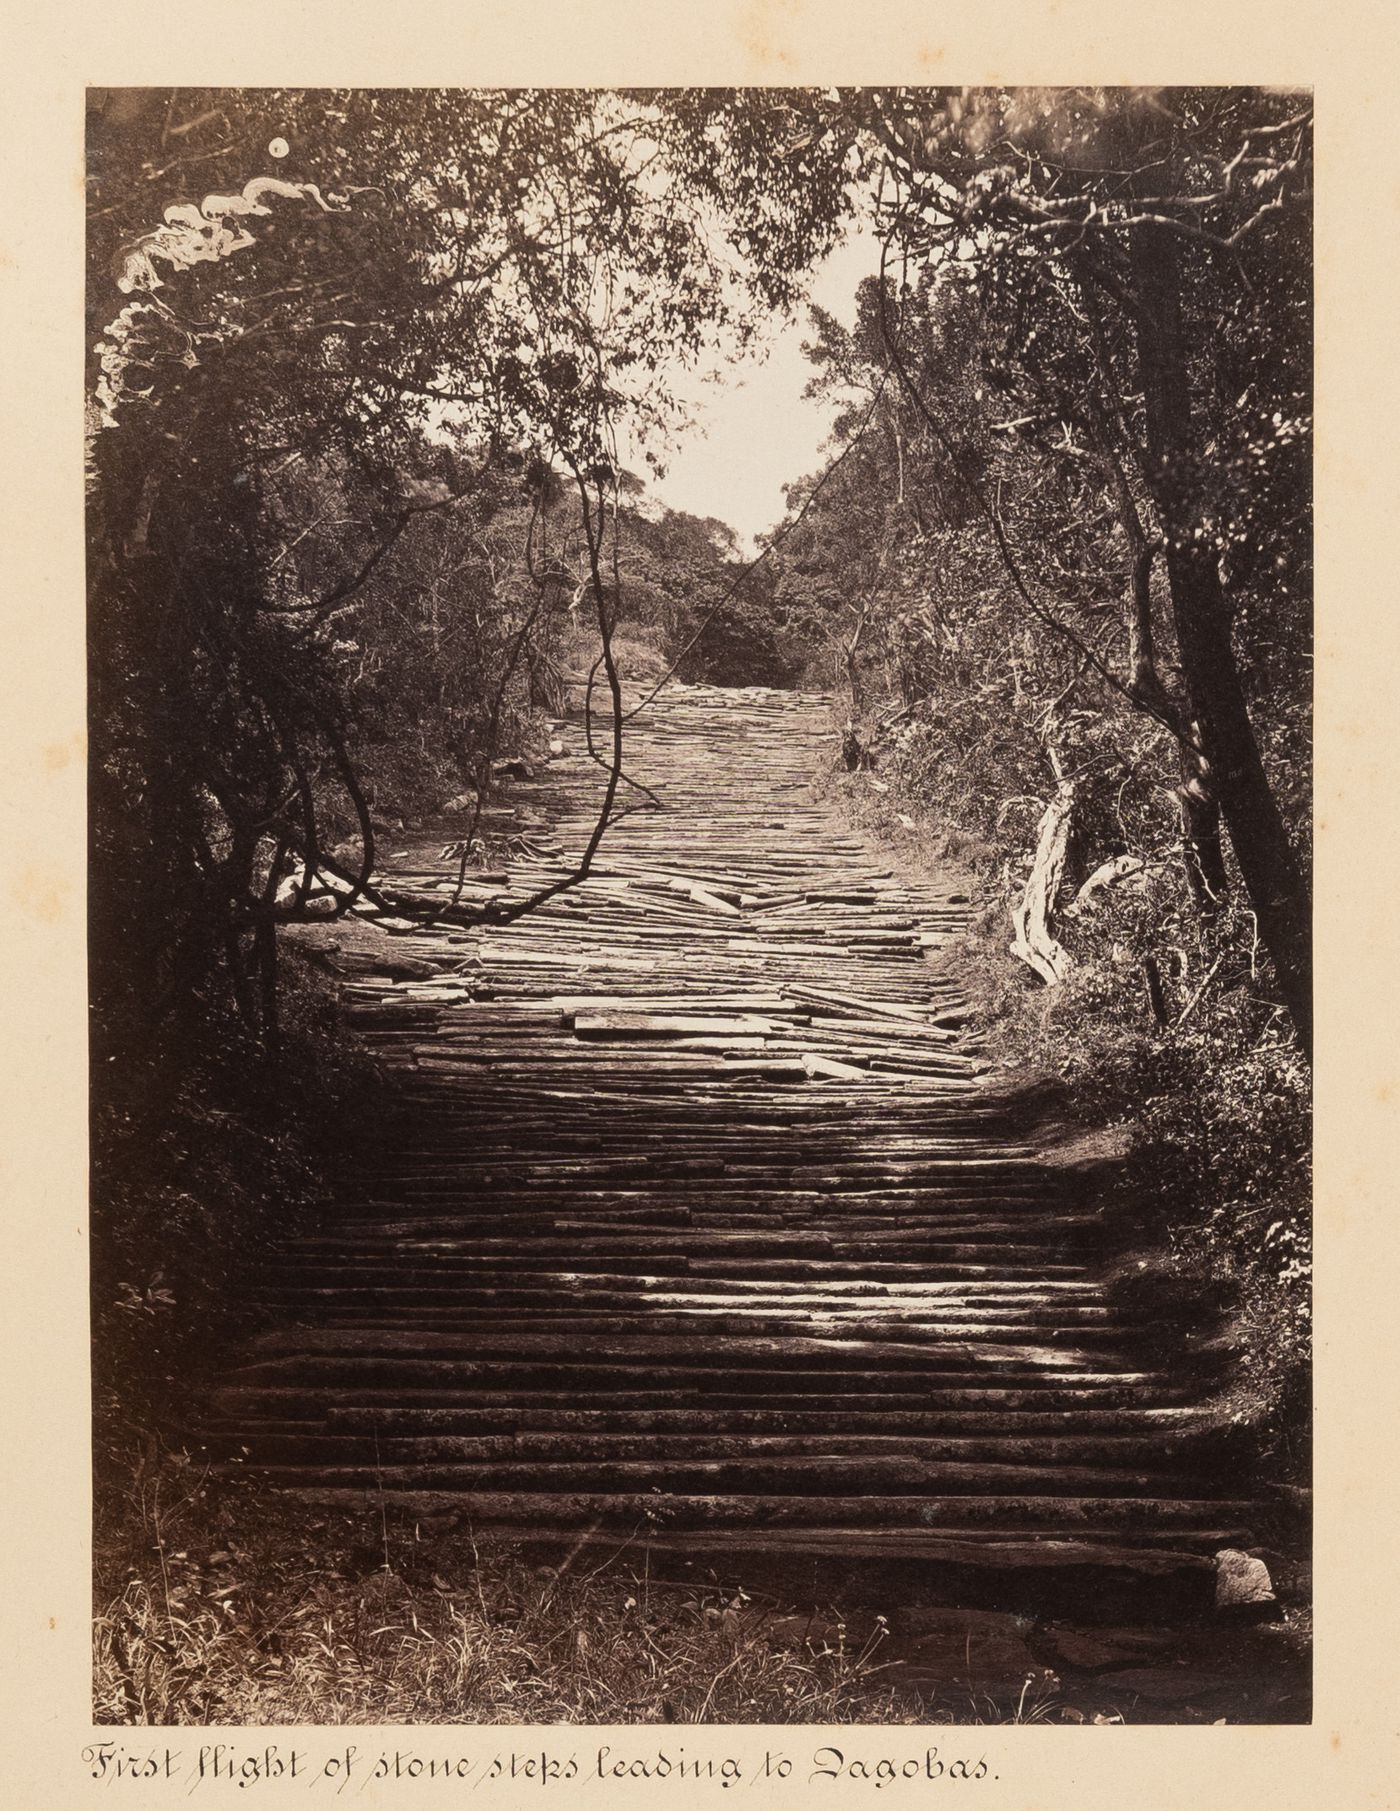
<point>226,1765</point>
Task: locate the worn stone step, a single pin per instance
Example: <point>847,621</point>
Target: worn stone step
<point>617,1387</point>
<point>864,1475</point>
<point>770,1273</point>
<point>910,1327</point>
<point>610,1292</point>
<point>1118,1455</point>
<point>1156,1426</point>
<point>1186,1519</point>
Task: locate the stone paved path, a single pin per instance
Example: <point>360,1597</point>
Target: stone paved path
<point>705,1224</point>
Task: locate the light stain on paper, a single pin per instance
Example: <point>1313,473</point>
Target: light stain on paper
<point>58,755</point>
<point>761,22</point>
<point>41,893</point>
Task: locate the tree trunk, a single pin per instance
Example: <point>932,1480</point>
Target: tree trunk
<point>1198,808</point>
<point>1270,869</point>
<point>1036,943</point>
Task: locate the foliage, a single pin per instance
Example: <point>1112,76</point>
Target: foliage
<point>190,1188</point>
<point>435,296</point>
<point>1213,1203</point>
<point>1086,436</point>
<point>1217,1191</point>
<point>241,1618</point>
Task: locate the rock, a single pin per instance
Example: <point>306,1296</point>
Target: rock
<point>462,801</point>
<point>384,1590</point>
<point>556,747</point>
<point>1167,1684</point>
<point>319,902</point>
<point>318,897</point>
<point>513,767</point>
<point>1242,1583</point>
<point>1091,1650</point>
<point>981,1647</point>
<point>406,968</point>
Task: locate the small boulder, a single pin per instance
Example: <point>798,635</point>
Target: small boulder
<point>406,968</point>
<point>1242,1583</point>
<point>317,900</point>
<point>462,801</point>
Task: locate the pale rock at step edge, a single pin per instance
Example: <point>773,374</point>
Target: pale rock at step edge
<point>1242,1583</point>
<point>317,900</point>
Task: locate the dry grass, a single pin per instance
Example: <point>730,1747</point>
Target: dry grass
<point>231,1611</point>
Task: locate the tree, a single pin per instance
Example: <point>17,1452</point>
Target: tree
<point>1140,229</point>
<point>294,296</point>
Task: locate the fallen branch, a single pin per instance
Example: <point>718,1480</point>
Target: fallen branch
<point>1119,867</point>
<point>1196,997</point>
<point>1035,942</point>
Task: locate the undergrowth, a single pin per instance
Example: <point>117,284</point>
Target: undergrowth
<point>190,1184</point>
<point>214,1606</point>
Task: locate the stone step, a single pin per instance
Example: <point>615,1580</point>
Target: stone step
<point>734,1273</point>
<point>1150,1579</point>
<point>897,1352</point>
<point>1128,1462</point>
<point>1155,1426</point>
<point>1198,1522</point>
<point>861,1475</point>
<point>679,1391</point>
<point>331,1312</point>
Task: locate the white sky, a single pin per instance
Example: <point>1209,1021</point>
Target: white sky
<point>754,432</point>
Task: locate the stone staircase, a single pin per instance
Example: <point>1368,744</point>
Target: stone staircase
<point>698,1223</point>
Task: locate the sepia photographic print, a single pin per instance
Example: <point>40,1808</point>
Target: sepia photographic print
<point>699,907</point>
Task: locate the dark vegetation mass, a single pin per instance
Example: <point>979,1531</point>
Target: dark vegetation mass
<point>359,365</point>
